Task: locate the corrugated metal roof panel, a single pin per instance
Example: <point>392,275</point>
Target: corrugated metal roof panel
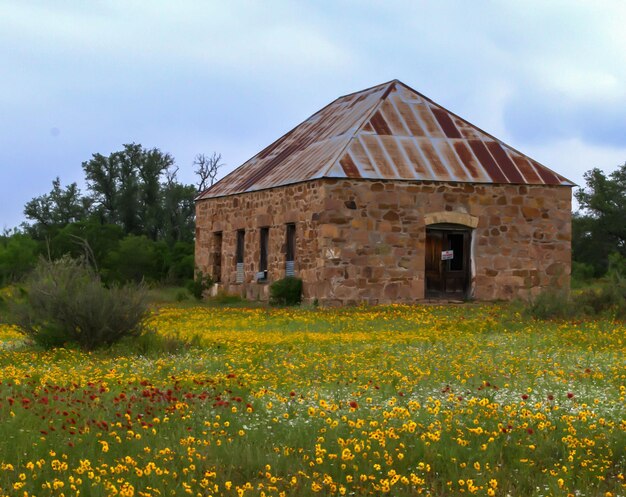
<point>389,131</point>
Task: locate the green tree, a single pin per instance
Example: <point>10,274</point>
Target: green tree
<point>136,220</point>
<point>126,188</point>
<point>54,210</point>
<point>599,228</point>
<point>137,258</point>
<point>179,213</point>
<point>87,238</point>
<point>18,255</point>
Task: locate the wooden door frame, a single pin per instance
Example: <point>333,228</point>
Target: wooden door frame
<point>445,273</point>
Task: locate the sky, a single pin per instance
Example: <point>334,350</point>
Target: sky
<point>190,77</point>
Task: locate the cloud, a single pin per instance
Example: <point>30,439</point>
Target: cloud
<point>543,116</point>
<point>196,76</point>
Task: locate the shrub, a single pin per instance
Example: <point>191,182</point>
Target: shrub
<point>227,298</point>
<point>152,343</point>
<point>65,302</point>
<point>581,273</point>
<point>181,265</point>
<point>136,259</point>
<point>550,304</point>
<point>607,297</point>
<point>182,295</point>
<point>18,256</point>
<point>199,285</point>
<point>287,291</point>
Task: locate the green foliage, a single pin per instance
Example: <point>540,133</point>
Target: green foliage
<point>287,291</point>
<point>550,304</point>
<point>152,343</point>
<point>56,209</point>
<point>135,189</point>
<point>181,262</point>
<point>136,259</point>
<point>182,295</point>
<point>599,229</point>
<point>136,221</point>
<point>65,302</point>
<point>224,298</point>
<point>101,240</point>
<point>199,285</point>
<point>581,273</point>
<point>18,255</point>
<point>607,297</point>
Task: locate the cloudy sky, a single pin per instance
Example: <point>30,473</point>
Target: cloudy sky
<point>190,76</point>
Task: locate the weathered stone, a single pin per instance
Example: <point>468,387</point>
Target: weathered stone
<point>375,252</point>
<point>391,216</point>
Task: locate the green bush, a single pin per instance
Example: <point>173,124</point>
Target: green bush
<point>287,291</point>
<point>550,304</point>
<point>227,298</point>
<point>18,256</point>
<point>136,259</point>
<point>181,264</point>
<point>582,274</point>
<point>607,297</point>
<point>199,285</point>
<point>65,302</point>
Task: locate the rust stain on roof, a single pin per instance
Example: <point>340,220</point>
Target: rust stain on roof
<point>389,131</point>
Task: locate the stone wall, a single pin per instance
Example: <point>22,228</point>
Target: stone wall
<point>376,231</point>
<point>273,208</point>
<point>364,240</point>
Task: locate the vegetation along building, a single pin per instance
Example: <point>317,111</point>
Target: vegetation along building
<point>384,196</point>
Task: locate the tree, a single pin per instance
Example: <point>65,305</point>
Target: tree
<point>136,220</point>
<point>179,213</point>
<point>136,259</point>
<point>599,229</point>
<point>126,188</point>
<point>18,255</point>
<point>90,236</point>
<point>207,169</point>
<point>56,209</point>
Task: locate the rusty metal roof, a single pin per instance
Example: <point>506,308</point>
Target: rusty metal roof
<point>389,131</point>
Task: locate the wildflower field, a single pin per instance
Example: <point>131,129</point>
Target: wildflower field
<point>392,400</point>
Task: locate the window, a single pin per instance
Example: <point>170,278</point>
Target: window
<point>241,236</point>
<point>290,250</point>
<point>217,257</point>
<point>456,245</point>
<point>263,239</point>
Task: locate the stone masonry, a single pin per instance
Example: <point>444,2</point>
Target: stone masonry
<point>363,241</point>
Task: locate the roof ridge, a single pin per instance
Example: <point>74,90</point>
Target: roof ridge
<point>416,138</point>
<point>368,115</point>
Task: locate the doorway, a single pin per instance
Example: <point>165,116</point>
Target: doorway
<point>447,261</point>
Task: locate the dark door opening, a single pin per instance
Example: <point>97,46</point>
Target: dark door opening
<point>447,262</point>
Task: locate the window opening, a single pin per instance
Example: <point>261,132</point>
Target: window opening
<point>241,236</point>
<point>456,245</point>
<point>263,239</point>
<point>290,250</point>
<point>217,257</point>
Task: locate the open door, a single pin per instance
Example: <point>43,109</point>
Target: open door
<point>447,261</point>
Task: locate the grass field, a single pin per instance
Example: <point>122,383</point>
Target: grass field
<point>400,400</point>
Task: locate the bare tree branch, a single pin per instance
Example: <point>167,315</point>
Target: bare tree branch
<point>170,175</point>
<point>207,169</point>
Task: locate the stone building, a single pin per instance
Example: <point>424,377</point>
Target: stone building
<point>385,196</point>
